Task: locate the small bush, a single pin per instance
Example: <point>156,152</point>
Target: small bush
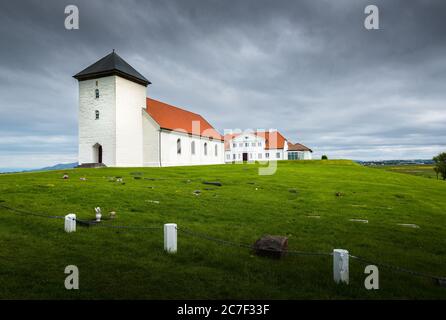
<point>324,157</point>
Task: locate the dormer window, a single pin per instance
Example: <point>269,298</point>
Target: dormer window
<point>96,115</point>
<point>97,93</point>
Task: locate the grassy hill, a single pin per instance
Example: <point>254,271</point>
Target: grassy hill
<point>299,201</point>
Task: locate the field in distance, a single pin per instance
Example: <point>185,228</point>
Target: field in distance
<point>426,170</point>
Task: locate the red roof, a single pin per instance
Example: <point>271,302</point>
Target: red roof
<point>273,139</point>
<point>180,120</point>
<point>298,147</point>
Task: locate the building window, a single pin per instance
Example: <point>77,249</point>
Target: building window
<point>246,144</point>
<point>233,156</point>
<point>253,144</point>
<point>267,155</point>
<point>250,156</point>
<point>216,150</point>
<point>278,155</point>
<point>96,115</point>
<point>192,147</point>
<point>260,144</point>
<point>240,144</point>
<point>205,149</point>
<point>234,145</point>
<point>97,93</point>
<point>228,156</point>
<point>292,155</point>
<point>239,155</point>
<point>260,156</point>
<point>179,146</point>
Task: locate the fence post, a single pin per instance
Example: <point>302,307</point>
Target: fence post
<point>170,237</point>
<point>340,266</point>
<point>70,222</point>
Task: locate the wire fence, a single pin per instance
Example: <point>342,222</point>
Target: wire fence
<point>205,236</point>
<point>29,213</point>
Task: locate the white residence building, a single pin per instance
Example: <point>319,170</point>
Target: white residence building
<point>263,146</point>
<point>120,127</point>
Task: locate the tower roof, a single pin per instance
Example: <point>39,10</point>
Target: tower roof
<point>112,64</point>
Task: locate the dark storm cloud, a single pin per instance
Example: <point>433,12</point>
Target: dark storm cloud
<point>308,68</point>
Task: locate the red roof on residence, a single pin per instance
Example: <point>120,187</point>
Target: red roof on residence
<point>273,139</point>
<point>176,119</point>
<point>298,147</point>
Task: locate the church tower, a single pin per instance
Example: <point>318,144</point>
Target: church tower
<point>112,95</point>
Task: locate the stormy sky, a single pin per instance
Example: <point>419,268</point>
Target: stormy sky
<point>307,68</point>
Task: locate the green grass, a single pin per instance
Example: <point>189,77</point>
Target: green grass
<point>426,170</point>
<point>132,264</point>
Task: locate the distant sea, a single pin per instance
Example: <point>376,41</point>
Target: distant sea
<point>59,166</point>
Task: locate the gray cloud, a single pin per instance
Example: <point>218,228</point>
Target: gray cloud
<point>307,68</point>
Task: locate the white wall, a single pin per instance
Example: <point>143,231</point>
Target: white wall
<point>100,131</point>
<point>307,155</point>
<point>170,157</point>
<point>151,139</point>
<point>130,100</point>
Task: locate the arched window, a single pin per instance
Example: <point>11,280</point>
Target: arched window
<point>192,147</point>
<point>179,146</point>
<point>205,149</point>
<point>97,93</point>
<point>96,115</point>
<point>216,150</point>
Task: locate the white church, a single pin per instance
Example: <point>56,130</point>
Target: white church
<point>119,126</point>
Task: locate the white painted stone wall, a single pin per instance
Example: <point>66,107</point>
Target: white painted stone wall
<point>130,100</point>
<point>102,131</point>
<point>151,139</point>
<point>170,157</point>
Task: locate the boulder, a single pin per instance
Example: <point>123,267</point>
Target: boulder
<point>271,246</point>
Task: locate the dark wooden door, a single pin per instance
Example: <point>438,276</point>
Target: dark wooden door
<point>245,156</point>
<point>100,154</point>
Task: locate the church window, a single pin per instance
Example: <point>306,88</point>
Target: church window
<point>96,115</point>
<point>216,150</point>
<point>205,149</point>
<point>192,147</point>
<point>179,146</point>
<point>97,93</point>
